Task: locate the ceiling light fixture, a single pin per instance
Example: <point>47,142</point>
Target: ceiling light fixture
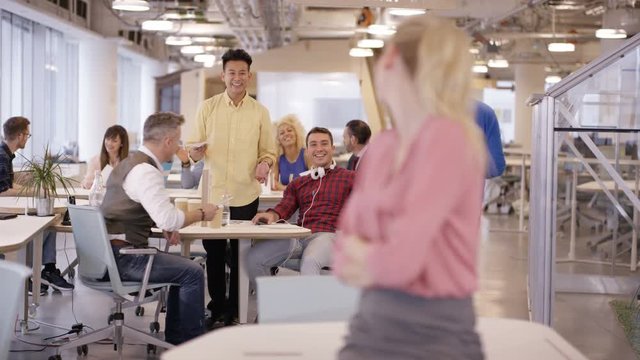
<point>382,30</point>
<point>204,58</point>
<point>130,5</point>
<point>370,43</point>
<point>406,12</point>
<point>474,51</point>
<point>480,69</point>
<point>552,79</point>
<point>558,46</point>
<point>157,25</point>
<point>561,47</point>
<point>192,49</point>
<point>498,62</point>
<point>611,34</point>
<point>360,52</point>
<point>178,40</point>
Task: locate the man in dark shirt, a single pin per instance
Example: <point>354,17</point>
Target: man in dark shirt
<point>356,136</point>
<point>16,133</point>
<point>319,196</point>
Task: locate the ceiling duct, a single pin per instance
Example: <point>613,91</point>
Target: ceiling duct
<point>622,18</point>
<point>259,24</point>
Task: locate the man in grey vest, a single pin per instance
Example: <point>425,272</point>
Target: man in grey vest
<point>135,202</point>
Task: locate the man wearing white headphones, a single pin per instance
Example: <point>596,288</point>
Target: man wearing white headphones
<point>319,194</point>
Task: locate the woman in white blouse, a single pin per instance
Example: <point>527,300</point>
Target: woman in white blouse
<point>115,147</point>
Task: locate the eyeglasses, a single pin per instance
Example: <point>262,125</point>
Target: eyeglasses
<point>27,134</point>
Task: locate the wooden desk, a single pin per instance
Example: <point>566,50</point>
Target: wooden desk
<point>16,234</point>
<point>502,339</point>
<point>245,231</point>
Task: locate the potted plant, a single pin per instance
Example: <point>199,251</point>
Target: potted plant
<point>45,175</point>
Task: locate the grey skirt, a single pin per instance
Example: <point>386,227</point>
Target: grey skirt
<point>392,324</point>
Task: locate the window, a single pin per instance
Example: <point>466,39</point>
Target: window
<point>129,93</point>
<point>39,80</point>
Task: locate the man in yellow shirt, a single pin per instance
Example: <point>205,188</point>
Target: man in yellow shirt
<point>239,152</point>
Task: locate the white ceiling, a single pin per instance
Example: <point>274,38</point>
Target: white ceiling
<point>520,29</point>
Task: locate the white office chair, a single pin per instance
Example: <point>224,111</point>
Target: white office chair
<point>293,299</point>
<point>12,282</point>
<point>95,260</point>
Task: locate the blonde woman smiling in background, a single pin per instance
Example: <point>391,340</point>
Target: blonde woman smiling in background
<point>410,230</point>
<point>291,159</point>
<point>115,147</point>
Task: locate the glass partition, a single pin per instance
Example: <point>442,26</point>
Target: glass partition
<point>585,171</point>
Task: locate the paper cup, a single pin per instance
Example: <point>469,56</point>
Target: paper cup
<point>194,204</point>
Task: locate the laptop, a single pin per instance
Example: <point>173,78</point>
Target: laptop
<point>5,216</point>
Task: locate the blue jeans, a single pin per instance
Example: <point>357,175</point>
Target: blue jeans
<point>185,303</point>
<point>49,248</point>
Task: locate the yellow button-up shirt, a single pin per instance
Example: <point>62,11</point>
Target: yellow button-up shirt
<point>238,138</point>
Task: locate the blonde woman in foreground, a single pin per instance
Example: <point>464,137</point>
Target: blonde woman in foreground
<point>410,230</point>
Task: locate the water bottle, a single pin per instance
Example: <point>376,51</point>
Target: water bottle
<point>226,213</point>
<point>96,194</point>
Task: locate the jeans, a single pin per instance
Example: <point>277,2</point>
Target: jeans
<point>185,302</point>
<point>49,248</point>
<point>314,250</point>
<point>216,278</point>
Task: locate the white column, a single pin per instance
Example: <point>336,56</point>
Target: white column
<point>98,93</point>
<point>529,80</point>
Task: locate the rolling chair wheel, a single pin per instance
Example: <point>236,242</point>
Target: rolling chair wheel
<point>151,349</point>
<point>139,311</point>
<point>154,327</point>
<point>110,319</point>
<point>72,273</point>
<point>82,350</point>
<point>55,357</point>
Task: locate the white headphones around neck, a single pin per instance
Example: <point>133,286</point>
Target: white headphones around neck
<point>319,172</point>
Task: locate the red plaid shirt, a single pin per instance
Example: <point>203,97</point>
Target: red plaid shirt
<point>333,191</point>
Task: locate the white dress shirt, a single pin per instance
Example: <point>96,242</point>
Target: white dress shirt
<point>145,185</point>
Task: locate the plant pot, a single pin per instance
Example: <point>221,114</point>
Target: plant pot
<point>44,206</point>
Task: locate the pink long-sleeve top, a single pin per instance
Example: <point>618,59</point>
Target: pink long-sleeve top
<point>422,221</point>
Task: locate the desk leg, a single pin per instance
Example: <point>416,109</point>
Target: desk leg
<point>523,172</point>
<point>23,258</point>
<point>37,268</point>
<point>185,248</point>
<point>243,279</point>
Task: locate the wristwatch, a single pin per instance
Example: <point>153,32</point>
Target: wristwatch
<point>186,164</point>
<point>202,214</point>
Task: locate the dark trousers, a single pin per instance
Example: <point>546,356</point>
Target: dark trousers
<point>216,281</point>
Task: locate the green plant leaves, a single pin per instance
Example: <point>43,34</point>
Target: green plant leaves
<point>46,174</point>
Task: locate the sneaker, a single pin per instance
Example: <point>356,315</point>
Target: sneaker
<point>43,288</point>
<point>53,279</point>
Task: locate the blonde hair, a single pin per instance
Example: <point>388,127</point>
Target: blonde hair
<point>290,120</point>
<point>436,54</point>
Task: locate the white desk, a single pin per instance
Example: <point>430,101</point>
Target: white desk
<point>16,234</point>
<point>502,339</point>
<point>16,205</point>
<point>593,186</point>
<point>523,161</point>
<point>268,200</point>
